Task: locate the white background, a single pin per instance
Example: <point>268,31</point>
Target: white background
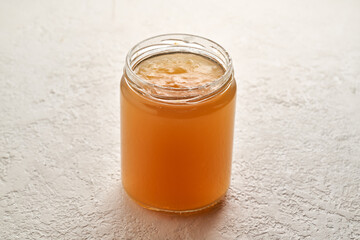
<point>296,168</point>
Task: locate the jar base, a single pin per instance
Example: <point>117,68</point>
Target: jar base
<point>180,212</point>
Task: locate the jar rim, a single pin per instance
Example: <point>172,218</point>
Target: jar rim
<point>177,42</point>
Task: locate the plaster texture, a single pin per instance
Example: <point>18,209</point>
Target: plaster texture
<point>296,166</point>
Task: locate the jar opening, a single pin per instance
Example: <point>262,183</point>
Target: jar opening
<point>177,43</point>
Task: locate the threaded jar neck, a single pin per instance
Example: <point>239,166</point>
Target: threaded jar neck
<point>177,43</point>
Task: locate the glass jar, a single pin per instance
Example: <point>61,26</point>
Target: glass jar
<point>176,143</point>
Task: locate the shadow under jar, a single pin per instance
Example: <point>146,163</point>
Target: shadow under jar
<point>177,127</point>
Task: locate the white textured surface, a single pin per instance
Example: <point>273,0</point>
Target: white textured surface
<point>296,169</point>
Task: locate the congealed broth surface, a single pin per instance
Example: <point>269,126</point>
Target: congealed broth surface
<point>179,70</point>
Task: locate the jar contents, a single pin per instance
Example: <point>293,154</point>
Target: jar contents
<point>179,70</point>
<point>177,157</point>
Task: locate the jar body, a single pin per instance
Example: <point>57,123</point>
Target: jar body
<point>176,157</point>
